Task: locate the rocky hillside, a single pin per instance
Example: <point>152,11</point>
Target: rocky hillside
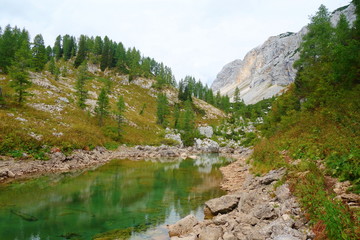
<point>267,69</point>
<point>50,118</point>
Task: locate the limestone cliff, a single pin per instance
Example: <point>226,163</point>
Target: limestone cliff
<point>267,69</point>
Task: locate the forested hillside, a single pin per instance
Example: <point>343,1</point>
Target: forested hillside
<point>90,91</point>
<point>314,128</point>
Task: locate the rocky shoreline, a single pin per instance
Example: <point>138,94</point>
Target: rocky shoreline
<point>11,169</point>
<point>255,208</point>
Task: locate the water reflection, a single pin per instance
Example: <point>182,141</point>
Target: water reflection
<point>123,198</point>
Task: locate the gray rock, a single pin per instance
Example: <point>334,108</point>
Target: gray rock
<point>273,175</point>
<point>10,174</point>
<point>229,236</point>
<point>210,233</point>
<point>58,156</point>
<point>207,145</point>
<point>222,204</point>
<point>175,137</point>
<point>283,193</point>
<point>286,237</point>
<point>182,227</point>
<point>206,131</point>
<point>265,211</point>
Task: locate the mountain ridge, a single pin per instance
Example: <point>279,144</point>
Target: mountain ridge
<point>267,69</point>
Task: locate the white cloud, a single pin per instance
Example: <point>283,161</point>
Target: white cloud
<point>192,37</point>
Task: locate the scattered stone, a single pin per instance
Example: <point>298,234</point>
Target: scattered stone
<point>21,119</point>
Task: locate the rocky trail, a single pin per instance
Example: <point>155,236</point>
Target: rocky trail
<point>256,208</point>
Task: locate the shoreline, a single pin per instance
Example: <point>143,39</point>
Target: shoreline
<point>253,208</point>
<point>13,169</point>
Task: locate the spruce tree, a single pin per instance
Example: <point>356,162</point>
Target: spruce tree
<point>38,50</point>
<point>119,113</point>
<point>102,106</point>
<point>52,66</point>
<point>18,71</point>
<point>57,49</point>
<point>82,93</point>
<point>162,109</point>
<point>81,54</point>
<point>2,99</point>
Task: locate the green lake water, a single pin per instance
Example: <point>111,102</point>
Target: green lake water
<point>121,200</point>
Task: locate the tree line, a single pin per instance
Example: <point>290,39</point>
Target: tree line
<point>103,51</point>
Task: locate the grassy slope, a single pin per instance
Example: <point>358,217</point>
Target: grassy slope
<point>324,143</point>
<point>79,128</point>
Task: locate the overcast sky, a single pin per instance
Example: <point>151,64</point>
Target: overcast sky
<point>193,37</point>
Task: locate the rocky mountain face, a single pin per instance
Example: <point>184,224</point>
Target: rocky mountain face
<point>267,69</point>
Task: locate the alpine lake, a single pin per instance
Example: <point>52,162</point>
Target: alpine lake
<point>122,199</point>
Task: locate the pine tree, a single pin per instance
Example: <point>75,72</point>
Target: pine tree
<point>102,106</point>
<point>81,54</point>
<point>38,53</point>
<point>188,132</point>
<point>80,85</point>
<point>49,53</point>
<point>52,66</point>
<point>119,113</point>
<point>18,71</point>
<point>57,48</point>
<point>177,116</point>
<point>2,99</point>
<point>162,109</point>
<point>105,55</point>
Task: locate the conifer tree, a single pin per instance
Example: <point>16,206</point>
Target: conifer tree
<point>162,109</point>
<point>38,50</point>
<point>2,99</point>
<point>18,71</point>
<point>177,117</point>
<point>57,48</point>
<point>102,106</point>
<point>52,66</point>
<point>119,113</point>
<point>81,54</point>
<point>80,85</point>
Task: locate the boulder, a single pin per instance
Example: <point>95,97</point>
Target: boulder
<point>210,233</point>
<point>207,145</point>
<point>222,204</point>
<point>229,236</point>
<point>265,211</point>
<point>183,226</point>
<point>175,137</point>
<point>206,131</point>
<point>272,176</point>
<point>283,193</point>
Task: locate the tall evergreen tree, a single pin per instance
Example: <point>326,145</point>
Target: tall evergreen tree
<point>52,66</point>
<point>18,71</point>
<point>82,93</point>
<point>162,109</point>
<point>39,57</point>
<point>119,113</point>
<point>102,106</point>
<point>58,48</point>
<point>2,99</point>
<point>105,55</point>
<point>82,52</point>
